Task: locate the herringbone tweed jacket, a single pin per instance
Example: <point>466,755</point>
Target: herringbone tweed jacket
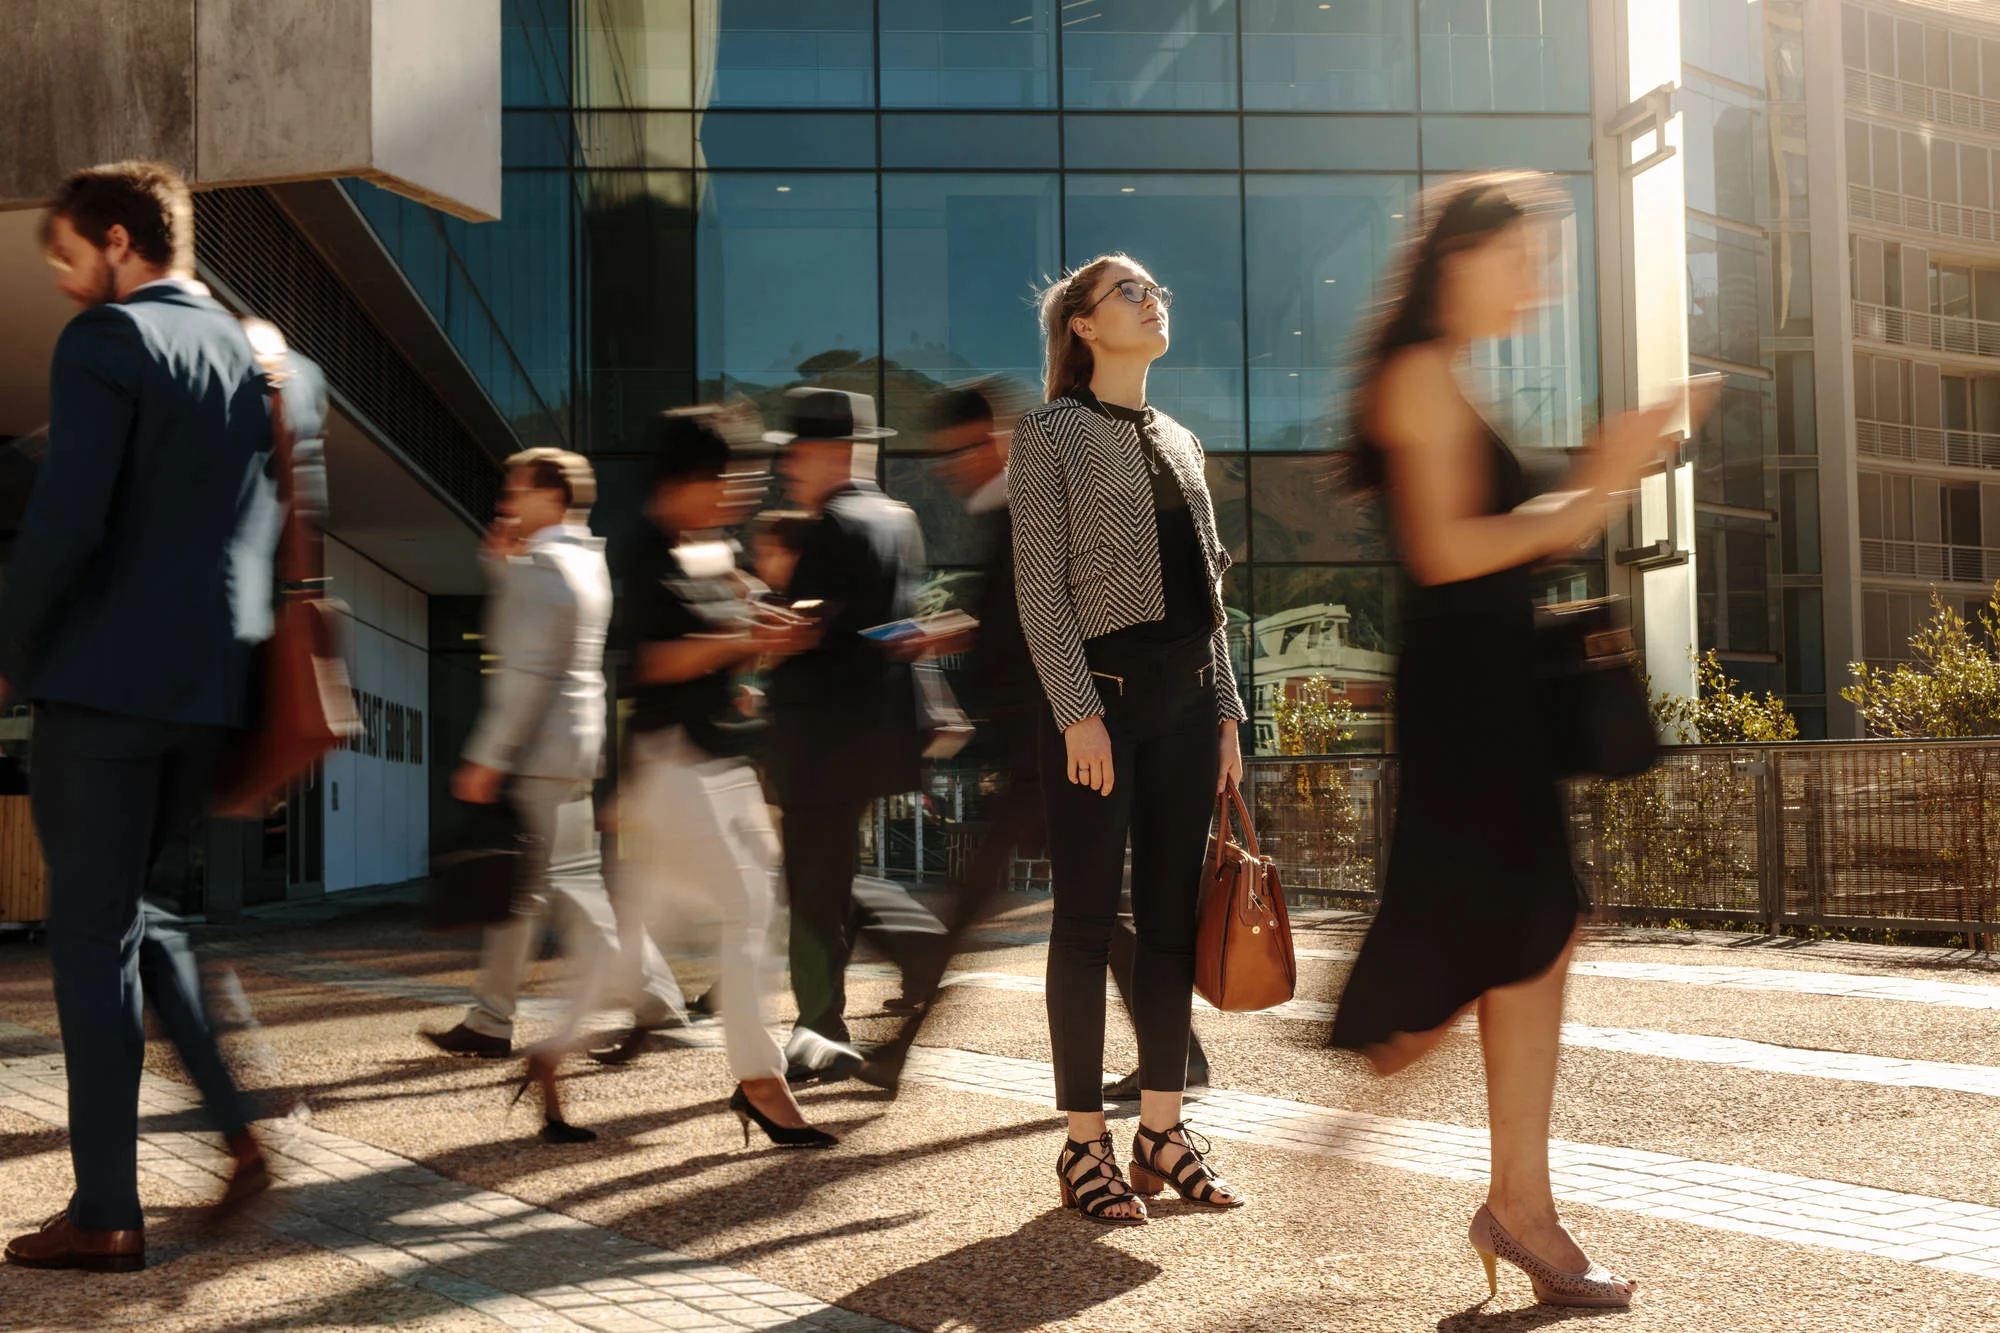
<point>1087,548</point>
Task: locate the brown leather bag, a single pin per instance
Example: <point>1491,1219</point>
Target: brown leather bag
<point>304,703</point>
<point>1243,943</point>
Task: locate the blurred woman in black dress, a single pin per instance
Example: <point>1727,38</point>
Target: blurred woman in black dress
<point>1480,904</point>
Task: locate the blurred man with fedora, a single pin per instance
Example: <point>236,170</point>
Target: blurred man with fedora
<point>845,725</point>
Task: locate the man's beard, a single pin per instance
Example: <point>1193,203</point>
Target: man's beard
<point>104,290</point>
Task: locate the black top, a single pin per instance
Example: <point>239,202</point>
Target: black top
<point>675,591</point>
<point>1479,890</point>
<point>1183,571</point>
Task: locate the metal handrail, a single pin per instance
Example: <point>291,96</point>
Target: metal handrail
<point>1931,560</point>
<point>1916,328</point>
<point>1927,444</point>
<point>1889,208</point>
<point>1881,92</point>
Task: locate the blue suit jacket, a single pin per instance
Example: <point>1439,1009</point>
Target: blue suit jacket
<point>141,578</point>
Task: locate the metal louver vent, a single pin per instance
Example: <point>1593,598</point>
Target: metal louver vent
<point>249,245</point>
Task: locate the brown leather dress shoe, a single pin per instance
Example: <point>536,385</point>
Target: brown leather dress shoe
<point>251,1177</point>
<point>60,1245</point>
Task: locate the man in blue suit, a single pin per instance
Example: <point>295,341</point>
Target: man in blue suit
<point>140,586</point>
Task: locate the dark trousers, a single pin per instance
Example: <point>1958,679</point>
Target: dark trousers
<point>1124,959</point>
<point>1160,712</point>
<point>831,910</point>
<point>108,791</point>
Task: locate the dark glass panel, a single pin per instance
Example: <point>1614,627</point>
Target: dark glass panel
<point>1151,143</point>
<point>1805,642</point>
<point>1479,143</point>
<point>964,255</point>
<point>1798,521</point>
<point>1350,55</point>
<point>954,142</point>
<point>1504,55</point>
<point>1298,513</point>
<point>1227,490</point>
<point>968,52</point>
<point>536,139</point>
<point>534,53</point>
<point>655,140</point>
<point>783,53</point>
<point>639,274</point>
<point>1187,230</point>
<point>1330,143</point>
<point>786,282</point>
<point>778,140</point>
<point>1316,247</point>
<point>1144,55</point>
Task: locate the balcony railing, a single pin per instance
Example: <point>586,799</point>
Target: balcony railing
<point>1879,92</point>
<point>1928,444</point>
<point>1916,328</point>
<point>1931,560</point>
<point>1888,209</point>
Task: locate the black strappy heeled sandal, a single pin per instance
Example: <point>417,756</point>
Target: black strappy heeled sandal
<point>1099,1189</point>
<point>1192,1177</point>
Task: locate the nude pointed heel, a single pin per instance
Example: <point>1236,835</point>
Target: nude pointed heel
<point>1492,1271</point>
<point>1596,1287</point>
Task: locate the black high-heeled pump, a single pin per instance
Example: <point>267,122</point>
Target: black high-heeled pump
<point>784,1136</point>
<point>555,1129</point>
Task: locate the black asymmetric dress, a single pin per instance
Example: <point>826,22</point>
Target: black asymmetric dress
<point>1480,891</point>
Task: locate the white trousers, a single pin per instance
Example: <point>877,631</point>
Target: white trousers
<point>697,834</point>
<point>569,887</point>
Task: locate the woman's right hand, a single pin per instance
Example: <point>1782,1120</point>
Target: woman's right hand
<point>1090,754</point>
<point>1626,446</point>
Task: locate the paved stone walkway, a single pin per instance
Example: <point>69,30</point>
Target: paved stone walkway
<point>1762,1057</point>
<point>1938,1233</point>
<point>523,1266</point>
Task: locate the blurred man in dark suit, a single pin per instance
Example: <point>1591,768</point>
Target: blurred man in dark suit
<point>140,583</point>
<point>845,729</point>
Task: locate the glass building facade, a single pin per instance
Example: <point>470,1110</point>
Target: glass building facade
<point>732,197</point>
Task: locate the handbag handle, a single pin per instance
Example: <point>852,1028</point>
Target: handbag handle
<point>1231,795</point>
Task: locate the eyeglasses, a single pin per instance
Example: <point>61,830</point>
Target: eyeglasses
<point>1134,291</point>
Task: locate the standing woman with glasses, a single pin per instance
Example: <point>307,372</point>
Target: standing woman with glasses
<point>1480,903</point>
<point>1119,579</point>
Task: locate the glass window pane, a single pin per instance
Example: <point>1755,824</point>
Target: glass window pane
<point>763,140</point>
<point>783,53</point>
<point>968,52</point>
<point>651,139</point>
<point>1726,309</point>
<point>1151,143</point>
<point>534,53</point>
<point>1805,642</point>
<point>950,535</point>
<point>1227,489</point>
<point>1350,55</point>
<point>1328,622</point>
<point>1479,143</point>
<point>949,142</point>
<point>636,53</point>
<point>1330,143</point>
<point>965,253</point>
<point>1298,513</point>
<point>1798,521</point>
<point>1797,433</point>
<point>1540,383</point>
<point>1142,54</point>
<point>786,282</point>
<point>1316,247</point>
<point>1504,55</point>
<point>1186,230</point>
<point>1729,449</point>
<point>535,139</point>
<point>639,275</point>
<point>1791,284</point>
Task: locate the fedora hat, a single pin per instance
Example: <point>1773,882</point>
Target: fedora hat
<point>827,414</point>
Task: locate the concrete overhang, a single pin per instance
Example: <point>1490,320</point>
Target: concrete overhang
<point>404,93</point>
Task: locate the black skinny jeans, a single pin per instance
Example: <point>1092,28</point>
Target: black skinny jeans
<point>1160,711</point>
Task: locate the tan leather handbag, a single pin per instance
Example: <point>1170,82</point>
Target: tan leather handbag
<point>1243,942</point>
<point>304,704</point>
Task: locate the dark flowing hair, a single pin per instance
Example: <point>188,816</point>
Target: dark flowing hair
<point>1460,214</point>
<point>1066,360</point>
